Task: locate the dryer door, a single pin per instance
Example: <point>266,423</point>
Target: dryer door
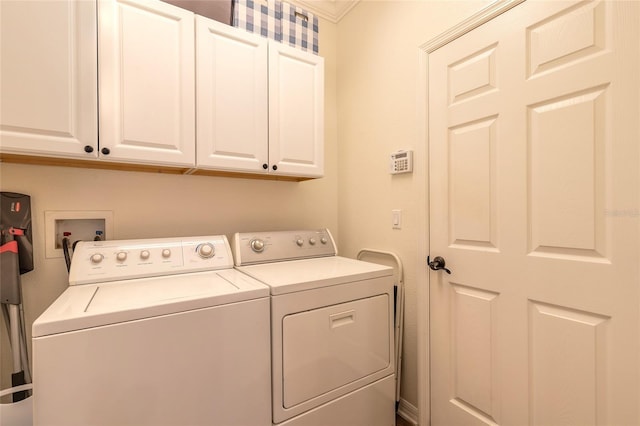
<point>326,348</point>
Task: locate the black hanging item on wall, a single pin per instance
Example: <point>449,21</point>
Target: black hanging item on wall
<point>16,258</point>
<point>10,292</point>
<point>15,224</point>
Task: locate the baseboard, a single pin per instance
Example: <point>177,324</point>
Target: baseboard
<point>408,412</point>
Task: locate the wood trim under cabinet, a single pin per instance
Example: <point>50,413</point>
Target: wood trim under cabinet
<point>105,165</point>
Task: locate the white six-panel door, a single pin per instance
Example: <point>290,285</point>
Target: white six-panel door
<point>534,204</point>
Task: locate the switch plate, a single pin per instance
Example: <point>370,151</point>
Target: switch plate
<point>396,219</point>
<point>81,224</point>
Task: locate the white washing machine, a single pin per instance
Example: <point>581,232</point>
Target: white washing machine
<point>154,332</point>
<point>331,328</point>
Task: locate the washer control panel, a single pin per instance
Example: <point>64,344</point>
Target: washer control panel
<point>261,247</point>
<point>101,261</point>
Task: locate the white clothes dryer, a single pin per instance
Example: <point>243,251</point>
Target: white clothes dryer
<point>154,332</point>
<point>331,327</point>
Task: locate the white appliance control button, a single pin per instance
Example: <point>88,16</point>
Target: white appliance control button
<point>121,256</point>
<point>300,242</point>
<point>144,254</point>
<point>97,258</point>
<point>166,253</point>
<point>257,245</point>
<point>206,250</point>
<point>312,241</point>
<point>323,240</point>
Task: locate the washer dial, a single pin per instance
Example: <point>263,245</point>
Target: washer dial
<point>206,250</point>
<point>257,245</point>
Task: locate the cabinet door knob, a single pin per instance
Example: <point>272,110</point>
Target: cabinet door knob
<point>265,166</point>
<point>274,167</point>
<point>88,149</point>
<point>105,151</point>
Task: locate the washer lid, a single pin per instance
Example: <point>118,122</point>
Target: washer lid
<point>94,305</point>
<point>306,274</point>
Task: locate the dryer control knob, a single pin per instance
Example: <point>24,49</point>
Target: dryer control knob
<point>166,253</point>
<point>300,242</point>
<point>312,241</point>
<point>206,250</point>
<point>323,240</point>
<point>257,245</point>
<point>121,256</point>
<point>96,258</point>
<point>144,254</point>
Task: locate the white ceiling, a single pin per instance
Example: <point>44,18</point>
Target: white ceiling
<point>331,10</point>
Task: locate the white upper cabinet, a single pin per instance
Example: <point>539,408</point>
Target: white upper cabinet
<point>296,112</point>
<point>260,104</point>
<point>146,82</point>
<point>48,78</point>
<point>231,77</point>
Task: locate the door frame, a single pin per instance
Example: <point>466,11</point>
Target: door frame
<point>483,16</point>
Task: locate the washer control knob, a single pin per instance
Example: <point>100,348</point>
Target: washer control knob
<point>166,253</point>
<point>300,242</point>
<point>144,254</point>
<point>323,240</point>
<point>257,245</point>
<point>206,250</point>
<point>121,256</point>
<point>312,241</point>
<point>96,258</point>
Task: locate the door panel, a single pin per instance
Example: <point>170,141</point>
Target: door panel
<point>232,103</point>
<point>146,82</point>
<point>567,364</point>
<point>296,111</point>
<point>48,78</point>
<point>560,144</point>
<point>474,350</point>
<point>533,147</point>
<point>472,202</point>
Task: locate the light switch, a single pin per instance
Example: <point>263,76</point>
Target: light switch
<point>396,219</point>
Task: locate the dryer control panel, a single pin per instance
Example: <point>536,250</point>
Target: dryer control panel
<point>101,261</point>
<point>260,247</point>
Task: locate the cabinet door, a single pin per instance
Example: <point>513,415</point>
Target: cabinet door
<point>231,77</point>
<point>296,112</point>
<point>146,82</point>
<point>48,78</point>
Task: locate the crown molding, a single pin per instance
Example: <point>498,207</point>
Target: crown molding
<point>331,10</point>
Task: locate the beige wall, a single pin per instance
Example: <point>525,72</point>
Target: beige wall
<point>378,46</point>
<point>149,205</point>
